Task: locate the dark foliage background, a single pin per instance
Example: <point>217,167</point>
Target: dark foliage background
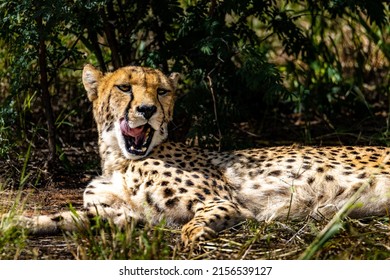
<point>255,72</point>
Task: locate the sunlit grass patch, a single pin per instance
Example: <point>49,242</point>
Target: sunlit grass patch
<point>12,238</point>
<point>104,240</point>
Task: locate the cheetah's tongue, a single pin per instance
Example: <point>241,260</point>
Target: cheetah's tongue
<point>128,131</point>
<point>138,133</point>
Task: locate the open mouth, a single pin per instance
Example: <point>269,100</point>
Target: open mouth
<point>137,139</point>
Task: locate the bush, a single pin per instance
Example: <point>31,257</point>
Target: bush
<point>243,62</point>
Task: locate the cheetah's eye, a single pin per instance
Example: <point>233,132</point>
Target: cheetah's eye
<point>162,91</point>
<point>125,88</point>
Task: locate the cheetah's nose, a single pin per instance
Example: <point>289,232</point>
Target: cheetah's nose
<point>146,111</point>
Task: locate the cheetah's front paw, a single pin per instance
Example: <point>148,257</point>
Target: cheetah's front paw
<point>191,233</point>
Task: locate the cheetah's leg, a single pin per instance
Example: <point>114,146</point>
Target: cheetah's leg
<point>212,217</point>
<point>103,197</point>
<point>107,198</point>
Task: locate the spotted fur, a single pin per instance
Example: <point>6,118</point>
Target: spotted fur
<point>151,179</point>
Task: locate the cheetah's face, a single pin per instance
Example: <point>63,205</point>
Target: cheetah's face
<point>131,106</point>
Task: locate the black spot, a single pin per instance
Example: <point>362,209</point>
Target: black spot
<point>89,192</point>
<point>201,197</point>
<point>146,163</point>
<point>320,170</point>
<point>178,171</point>
<point>329,178</point>
<point>306,166</point>
<point>195,176</point>
<point>149,183</point>
<point>290,160</point>
<point>362,175</point>
<point>177,179</point>
<point>206,191</point>
<point>189,205</point>
<point>182,164</point>
<point>252,174</point>
<point>154,172</point>
<point>172,202</point>
<point>256,186</point>
<point>373,158</point>
<point>275,173</point>
<point>156,162</point>
<point>110,127</point>
<point>310,180</point>
<point>57,219</point>
<point>189,183</point>
<point>222,208</point>
<point>168,192</point>
<point>167,174</point>
<point>182,190</point>
<point>296,175</point>
<point>135,190</point>
<point>187,157</point>
<point>90,215</point>
<point>148,198</point>
<point>135,180</point>
<point>164,183</point>
<point>340,191</point>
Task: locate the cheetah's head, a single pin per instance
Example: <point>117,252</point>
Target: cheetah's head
<point>132,106</point>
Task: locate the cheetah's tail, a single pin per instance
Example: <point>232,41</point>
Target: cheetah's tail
<point>68,221</point>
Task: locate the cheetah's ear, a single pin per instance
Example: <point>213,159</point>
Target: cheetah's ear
<point>174,77</point>
<point>91,78</point>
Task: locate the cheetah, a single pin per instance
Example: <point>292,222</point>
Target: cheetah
<point>147,178</point>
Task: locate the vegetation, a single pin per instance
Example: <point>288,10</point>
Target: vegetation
<point>255,73</point>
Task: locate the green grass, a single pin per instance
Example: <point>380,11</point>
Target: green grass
<point>12,238</point>
<point>104,240</point>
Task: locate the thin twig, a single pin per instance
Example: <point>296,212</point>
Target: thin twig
<point>210,84</point>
